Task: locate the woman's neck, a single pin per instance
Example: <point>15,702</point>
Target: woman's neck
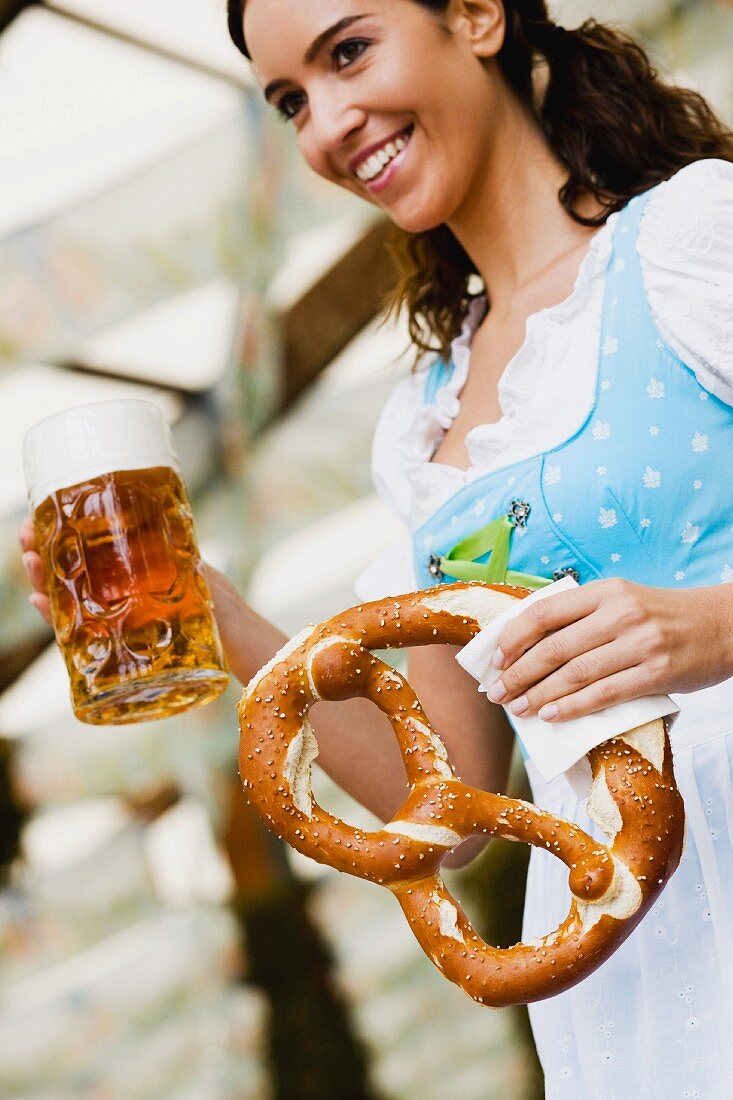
<point>512,225</point>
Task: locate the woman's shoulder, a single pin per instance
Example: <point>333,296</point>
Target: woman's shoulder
<point>689,219</point>
<point>707,170</point>
<point>686,247</point>
<point>710,178</point>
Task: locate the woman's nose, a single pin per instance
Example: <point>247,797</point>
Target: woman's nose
<point>333,121</point>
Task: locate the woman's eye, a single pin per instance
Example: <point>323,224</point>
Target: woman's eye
<point>349,50</point>
<point>344,54</point>
<point>289,105</point>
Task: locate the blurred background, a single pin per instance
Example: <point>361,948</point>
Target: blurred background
<point>159,239</point>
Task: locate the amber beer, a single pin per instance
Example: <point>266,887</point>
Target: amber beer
<point>130,605</point>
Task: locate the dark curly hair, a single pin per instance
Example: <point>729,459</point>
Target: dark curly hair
<point>615,125</point>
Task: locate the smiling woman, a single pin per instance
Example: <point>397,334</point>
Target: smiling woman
<point>569,426</point>
<point>572,425</point>
<point>615,127</point>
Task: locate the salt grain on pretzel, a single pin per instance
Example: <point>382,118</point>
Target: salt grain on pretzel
<point>634,799</point>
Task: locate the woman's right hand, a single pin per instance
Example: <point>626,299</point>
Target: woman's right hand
<point>34,569</point>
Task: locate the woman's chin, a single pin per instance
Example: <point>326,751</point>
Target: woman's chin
<point>415,221</point>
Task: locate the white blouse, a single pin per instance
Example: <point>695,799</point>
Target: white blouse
<point>686,248</point>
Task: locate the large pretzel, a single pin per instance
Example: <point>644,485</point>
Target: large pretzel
<point>633,799</point>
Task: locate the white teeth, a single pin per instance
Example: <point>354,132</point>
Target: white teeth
<point>375,164</point>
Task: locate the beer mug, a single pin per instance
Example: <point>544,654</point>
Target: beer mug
<point>130,605</point>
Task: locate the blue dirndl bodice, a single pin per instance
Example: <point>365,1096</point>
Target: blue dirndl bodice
<point>634,493</point>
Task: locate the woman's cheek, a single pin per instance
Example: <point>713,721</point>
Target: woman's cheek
<point>314,158</point>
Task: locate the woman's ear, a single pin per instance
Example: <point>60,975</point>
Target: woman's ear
<point>482,22</point>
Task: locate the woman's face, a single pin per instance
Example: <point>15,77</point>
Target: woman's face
<point>388,99</point>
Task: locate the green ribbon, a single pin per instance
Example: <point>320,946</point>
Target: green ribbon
<point>494,539</point>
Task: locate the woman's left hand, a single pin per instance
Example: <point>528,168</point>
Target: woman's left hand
<point>579,651</point>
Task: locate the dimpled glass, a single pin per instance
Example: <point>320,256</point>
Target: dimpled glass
<point>130,605</point>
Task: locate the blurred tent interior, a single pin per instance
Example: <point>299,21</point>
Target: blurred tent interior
<point>158,238</point>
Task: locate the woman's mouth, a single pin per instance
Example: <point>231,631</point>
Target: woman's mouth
<point>381,165</point>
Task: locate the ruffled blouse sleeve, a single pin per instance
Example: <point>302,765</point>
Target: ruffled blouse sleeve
<point>392,435</point>
<point>686,247</point>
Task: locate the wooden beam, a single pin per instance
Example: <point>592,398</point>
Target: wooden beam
<point>10,8</point>
<point>27,648</point>
<point>335,309</point>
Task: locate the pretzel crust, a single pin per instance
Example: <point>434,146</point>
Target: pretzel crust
<point>634,799</point>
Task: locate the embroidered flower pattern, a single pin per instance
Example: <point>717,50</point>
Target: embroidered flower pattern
<point>655,389</point>
<point>557,517</point>
<point>646,522</point>
<point>601,430</point>
<point>607,517</point>
<point>697,484</point>
<point>654,430</point>
<point>679,575</point>
<point>652,478</point>
<point>601,471</point>
<point>691,533</point>
<point>726,576</point>
<point>610,346</point>
<point>605,384</point>
<point>615,557</point>
<point>699,442</point>
<point>620,264</point>
<point>479,507</point>
<point>553,474</point>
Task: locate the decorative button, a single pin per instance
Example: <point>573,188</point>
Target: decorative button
<point>566,571</point>
<point>434,567</point>
<point>519,512</point>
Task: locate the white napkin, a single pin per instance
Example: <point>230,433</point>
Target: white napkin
<point>557,747</point>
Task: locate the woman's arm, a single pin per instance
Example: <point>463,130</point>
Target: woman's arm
<point>357,746</point>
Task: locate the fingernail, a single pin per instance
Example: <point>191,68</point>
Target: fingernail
<point>27,560</point>
<point>548,712</point>
<point>35,599</point>
<point>498,659</point>
<point>519,705</point>
<point>497,692</point>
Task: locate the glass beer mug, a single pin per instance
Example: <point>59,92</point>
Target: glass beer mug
<point>130,605</point>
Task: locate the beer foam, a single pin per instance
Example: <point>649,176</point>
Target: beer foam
<point>89,440</point>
